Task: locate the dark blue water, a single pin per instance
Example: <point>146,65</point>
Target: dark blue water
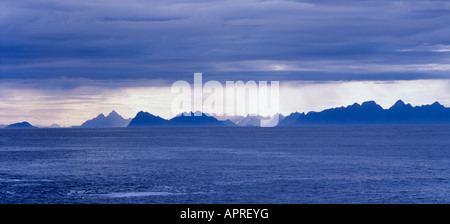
<point>363,164</point>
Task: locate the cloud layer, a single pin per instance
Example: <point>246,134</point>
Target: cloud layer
<point>260,40</point>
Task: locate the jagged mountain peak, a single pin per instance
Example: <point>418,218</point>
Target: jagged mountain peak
<point>113,113</point>
<point>437,105</point>
<point>101,121</point>
<point>400,105</point>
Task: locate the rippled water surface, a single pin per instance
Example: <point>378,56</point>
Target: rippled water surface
<point>351,164</point>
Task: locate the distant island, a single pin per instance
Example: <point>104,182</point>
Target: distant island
<point>112,120</point>
<point>367,113</point>
<point>20,125</point>
<point>54,126</point>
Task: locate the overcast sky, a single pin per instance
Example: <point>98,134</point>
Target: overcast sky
<point>58,46</point>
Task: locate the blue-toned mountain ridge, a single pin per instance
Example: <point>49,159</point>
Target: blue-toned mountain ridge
<point>145,119</point>
<point>371,113</point>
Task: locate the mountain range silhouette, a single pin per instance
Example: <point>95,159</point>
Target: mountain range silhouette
<point>371,113</point>
<point>367,113</point>
<point>190,119</point>
<point>113,120</point>
<point>145,119</point>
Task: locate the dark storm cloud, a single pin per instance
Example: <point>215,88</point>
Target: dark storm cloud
<point>262,40</point>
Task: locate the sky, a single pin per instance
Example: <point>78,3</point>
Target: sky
<point>67,61</point>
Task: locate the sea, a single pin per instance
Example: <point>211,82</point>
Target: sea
<point>227,165</point>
